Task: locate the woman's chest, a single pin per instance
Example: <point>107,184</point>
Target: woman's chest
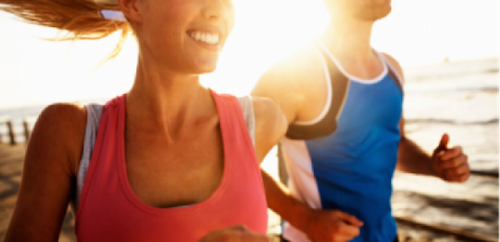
<point>169,174</point>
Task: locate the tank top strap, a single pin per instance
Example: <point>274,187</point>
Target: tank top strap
<point>232,122</point>
<point>109,210</point>
<point>246,105</point>
<point>392,72</point>
<point>94,112</point>
<point>338,84</point>
<point>104,129</point>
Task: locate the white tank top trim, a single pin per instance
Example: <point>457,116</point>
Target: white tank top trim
<point>400,80</point>
<point>354,78</point>
<point>326,108</point>
<point>329,94</point>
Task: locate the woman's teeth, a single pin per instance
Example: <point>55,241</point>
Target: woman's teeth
<point>205,37</point>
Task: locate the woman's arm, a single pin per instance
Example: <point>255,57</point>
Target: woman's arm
<point>48,177</point>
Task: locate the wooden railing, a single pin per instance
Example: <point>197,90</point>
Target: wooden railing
<point>11,133</point>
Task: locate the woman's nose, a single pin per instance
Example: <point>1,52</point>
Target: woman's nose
<point>216,9</point>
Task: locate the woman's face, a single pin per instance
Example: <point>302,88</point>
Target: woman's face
<point>185,36</point>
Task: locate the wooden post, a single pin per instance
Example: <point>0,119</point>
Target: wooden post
<point>282,173</point>
<point>27,132</point>
<point>11,133</point>
<point>281,166</point>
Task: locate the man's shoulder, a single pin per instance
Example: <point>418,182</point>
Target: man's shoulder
<point>296,67</point>
<point>293,81</point>
<point>394,64</point>
<point>270,122</point>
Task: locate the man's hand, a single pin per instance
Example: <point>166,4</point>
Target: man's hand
<point>332,226</point>
<point>238,233</point>
<point>450,164</point>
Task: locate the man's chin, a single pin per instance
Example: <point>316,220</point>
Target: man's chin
<point>383,13</point>
<point>375,14</point>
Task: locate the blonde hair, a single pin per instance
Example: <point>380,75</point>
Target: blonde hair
<point>78,19</point>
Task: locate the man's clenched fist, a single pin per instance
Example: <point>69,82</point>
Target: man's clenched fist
<point>450,164</point>
<point>332,226</point>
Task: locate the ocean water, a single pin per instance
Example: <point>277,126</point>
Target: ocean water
<point>460,99</point>
<point>28,114</point>
<point>17,115</point>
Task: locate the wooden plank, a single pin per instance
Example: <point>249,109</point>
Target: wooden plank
<point>12,136</point>
<point>484,173</point>
<point>3,121</point>
<point>27,131</point>
<point>457,233</point>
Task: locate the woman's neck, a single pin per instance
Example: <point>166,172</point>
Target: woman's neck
<point>167,100</point>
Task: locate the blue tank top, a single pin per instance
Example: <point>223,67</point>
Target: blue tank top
<point>345,159</point>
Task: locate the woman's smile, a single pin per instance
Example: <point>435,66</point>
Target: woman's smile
<point>210,40</point>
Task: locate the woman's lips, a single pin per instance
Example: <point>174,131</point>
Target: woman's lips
<point>206,37</point>
<point>208,40</point>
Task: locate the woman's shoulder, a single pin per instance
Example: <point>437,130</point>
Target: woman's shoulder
<point>48,173</point>
<point>61,128</point>
<point>66,117</point>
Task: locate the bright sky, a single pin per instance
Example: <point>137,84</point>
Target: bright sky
<point>35,72</point>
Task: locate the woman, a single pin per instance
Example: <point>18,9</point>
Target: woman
<point>172,160</point>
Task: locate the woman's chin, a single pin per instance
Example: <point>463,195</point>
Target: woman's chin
<point>206,66</point>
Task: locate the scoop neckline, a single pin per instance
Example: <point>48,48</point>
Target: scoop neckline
<point>351,77</point>
<point>192,208</point>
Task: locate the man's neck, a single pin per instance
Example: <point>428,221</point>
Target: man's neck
<point>349,39</point>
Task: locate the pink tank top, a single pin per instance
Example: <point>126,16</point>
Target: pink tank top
<point>110,211</point>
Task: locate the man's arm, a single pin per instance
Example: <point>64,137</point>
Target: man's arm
<point>270,126</point>
<point>282,84</point>
<point>412,158</point>
<point>449,164</point>
<point>279,85</point>
<point>318,225</point>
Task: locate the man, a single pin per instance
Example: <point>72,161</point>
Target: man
<point>343,101</point>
